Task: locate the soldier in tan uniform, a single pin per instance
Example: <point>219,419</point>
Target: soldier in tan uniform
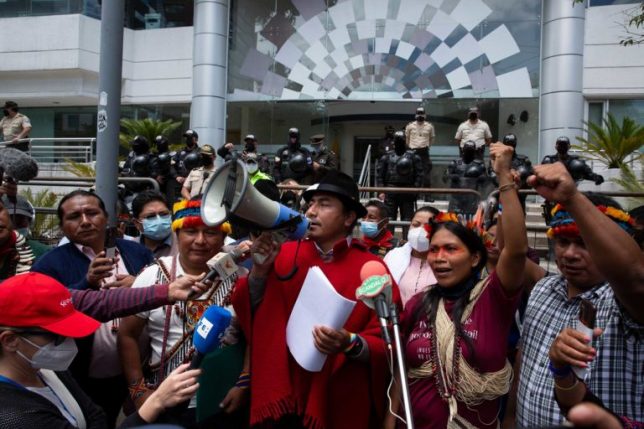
<point>474,130</point>
<point>15,126</point>
<point>419,135</point>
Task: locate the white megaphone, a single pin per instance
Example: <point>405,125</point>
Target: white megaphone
<point>231,196</point>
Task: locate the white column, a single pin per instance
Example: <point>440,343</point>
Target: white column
<point>209,71</point>
<point>561,109</point>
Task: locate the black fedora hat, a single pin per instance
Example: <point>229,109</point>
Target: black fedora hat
<point>341,186</point>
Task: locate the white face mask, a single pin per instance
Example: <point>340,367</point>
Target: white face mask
<point>417,238</point>
<point>52,356</point>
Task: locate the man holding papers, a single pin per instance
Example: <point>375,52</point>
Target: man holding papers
<point>349,390</point>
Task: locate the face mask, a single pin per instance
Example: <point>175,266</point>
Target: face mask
<point>158,228</point>
<point>207,160</point>
<point>251,167</point>
<point>189,142</point>
<point>417,238</point>
<point>250,147</point>
<point>420,118</point>
<point>6,112</point>
<point>316,147</point>
<point>24,232</point>
<point>51,356</point>
<point>473,116</point>
<point>369,229</point>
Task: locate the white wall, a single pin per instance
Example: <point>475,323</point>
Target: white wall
<point>59,58</point>
<point>610,69</point>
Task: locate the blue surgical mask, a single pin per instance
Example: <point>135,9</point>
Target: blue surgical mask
<point>157,228</point>
<point>369,229</point>
<point>24,232</point>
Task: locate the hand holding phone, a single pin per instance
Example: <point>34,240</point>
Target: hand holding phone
<point>110,242</point>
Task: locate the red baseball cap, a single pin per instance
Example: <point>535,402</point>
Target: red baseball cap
<point>34,300</point>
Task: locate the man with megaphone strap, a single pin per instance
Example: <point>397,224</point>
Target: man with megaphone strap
<point>349,391</point>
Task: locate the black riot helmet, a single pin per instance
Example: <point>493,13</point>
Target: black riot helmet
<point>140,145</point>
<point>141,165</point>
<point>399,142</point>
<point>562,145</point>
<point>297,163</point>
<point>475,170</point>
<point>404,166</point>
<point>468,152</point>
<point>162,144</point>
<point>293,137</point>
<point>192,160</point>
<point>191,137</point>
<point>510,140</point>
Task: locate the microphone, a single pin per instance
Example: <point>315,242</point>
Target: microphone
<point>222,265</point>
<point>375,292</point>
<point>208,333</point>
<point>16,165</point>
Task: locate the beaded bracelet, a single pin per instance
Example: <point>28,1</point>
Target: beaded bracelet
<point>137,388</point>
<point>243,382</point>
<point>559,372</point>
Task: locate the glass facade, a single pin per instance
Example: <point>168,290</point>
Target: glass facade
<point>139,14</point>
<point>349,68</point>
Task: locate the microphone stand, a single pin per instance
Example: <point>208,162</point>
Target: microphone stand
<point>402,369</point>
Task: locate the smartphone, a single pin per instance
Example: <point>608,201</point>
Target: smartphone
<point>110,242</point>
<point>585,324</point>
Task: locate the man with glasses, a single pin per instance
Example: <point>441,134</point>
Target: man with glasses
<point>153,219</point>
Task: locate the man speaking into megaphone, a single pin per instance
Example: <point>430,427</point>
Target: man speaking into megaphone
<point>355,373</point>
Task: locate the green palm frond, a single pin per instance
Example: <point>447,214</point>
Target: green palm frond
<point>630,182</point>
<point>42,223</point>
<point>79,169</point>
<point>612,143</point>
<point>148,128</point>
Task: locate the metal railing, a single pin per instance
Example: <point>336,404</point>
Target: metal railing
<point>78,149</point>
<point>87,182</point>
<point>365,173</point>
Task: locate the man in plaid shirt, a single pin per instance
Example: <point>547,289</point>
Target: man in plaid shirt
<point>601,263</point>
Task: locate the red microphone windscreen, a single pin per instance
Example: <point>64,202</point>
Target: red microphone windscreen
<point>372,268</point>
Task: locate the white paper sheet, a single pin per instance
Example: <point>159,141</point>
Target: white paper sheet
<point>317,304</point>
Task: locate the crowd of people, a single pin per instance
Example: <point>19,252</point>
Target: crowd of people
<point>97,331</point>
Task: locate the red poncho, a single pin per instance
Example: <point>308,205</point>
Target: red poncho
<point>346,393</point>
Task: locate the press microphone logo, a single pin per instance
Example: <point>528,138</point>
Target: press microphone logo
<point>204,328</point>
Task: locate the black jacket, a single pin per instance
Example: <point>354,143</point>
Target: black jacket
<point>22,408</point>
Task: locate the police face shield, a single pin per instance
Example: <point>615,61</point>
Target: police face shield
<point>562,146</point>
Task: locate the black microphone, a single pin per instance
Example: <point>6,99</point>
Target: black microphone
<point>375,292</point>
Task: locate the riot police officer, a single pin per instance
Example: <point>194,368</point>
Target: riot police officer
<point>400,168</point>
<point>293,161</point>
<point>164,166</point>
<point>520,163</point>
<point>251,147</point>
<point>324,159</point>
<point>467,172</point>
<point>576,166</point>
<point>139,163</point>
<point>180,170</point>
